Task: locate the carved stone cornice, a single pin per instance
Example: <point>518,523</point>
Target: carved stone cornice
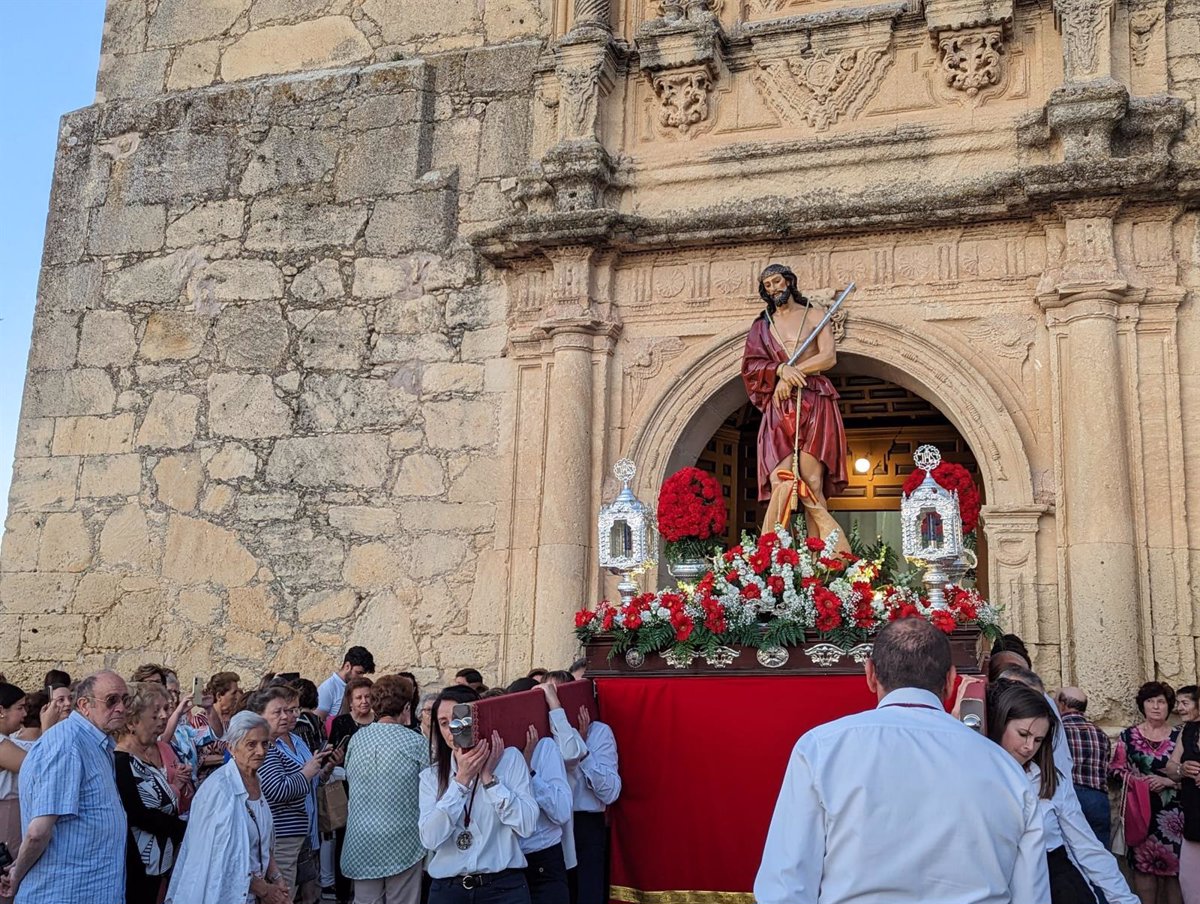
<point>952,15</point>
<point>1085,115</point>
<point>1011,519</point>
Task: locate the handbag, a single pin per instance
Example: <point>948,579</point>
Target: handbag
<point>1137,812</point>
<point>332,806</point>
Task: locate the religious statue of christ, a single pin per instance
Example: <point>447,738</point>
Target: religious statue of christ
<point>801,441</point>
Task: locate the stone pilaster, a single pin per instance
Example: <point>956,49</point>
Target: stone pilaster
<point>1101,609</point>
<point>573,340</point>
<point>1011,533</point>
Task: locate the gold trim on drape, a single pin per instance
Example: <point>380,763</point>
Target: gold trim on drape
<point>637,896</point>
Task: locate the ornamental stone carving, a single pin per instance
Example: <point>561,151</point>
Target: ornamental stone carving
<point>821,89</point>
<point>681,54</point>
<point>972,61</point>
<point>683,100</point>
<point>1141,28</point>
<point>1086,30</point>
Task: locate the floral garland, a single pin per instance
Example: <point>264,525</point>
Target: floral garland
<point>951,476</point>
<point>769,593</point>
<point>691,512</point>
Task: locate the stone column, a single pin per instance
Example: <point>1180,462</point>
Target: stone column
<point>1099,563</point>
<point>575,330</point>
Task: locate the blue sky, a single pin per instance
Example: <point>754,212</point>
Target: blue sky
<point>49,53</point>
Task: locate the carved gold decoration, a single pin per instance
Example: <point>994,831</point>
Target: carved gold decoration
<point>821,89</point>
<point>683,101</point>
<point>972,60</point>
<point>1141,26</point>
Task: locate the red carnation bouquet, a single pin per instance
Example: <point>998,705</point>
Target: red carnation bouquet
<point>951,476</point>
<point>691,514</point>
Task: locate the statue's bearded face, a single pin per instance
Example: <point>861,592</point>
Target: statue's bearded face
<point>777,287</point>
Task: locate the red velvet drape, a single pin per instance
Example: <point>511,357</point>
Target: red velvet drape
<point>701,763</point>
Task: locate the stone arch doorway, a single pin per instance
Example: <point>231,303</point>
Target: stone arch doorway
<point>884,425</point>
<point>669,431</point>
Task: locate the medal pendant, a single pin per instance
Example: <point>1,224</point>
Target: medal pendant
<point>464,840</point>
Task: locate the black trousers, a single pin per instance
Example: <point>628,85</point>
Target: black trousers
<point>547,876</point>
<point>589,880</point>
<point>1067,885</point>
<point>507,887</point>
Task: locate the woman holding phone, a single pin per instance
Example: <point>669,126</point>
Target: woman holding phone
<point>476,805</point>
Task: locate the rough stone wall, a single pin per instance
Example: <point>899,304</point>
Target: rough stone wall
<point>152,46</point>
<point>260,420</point>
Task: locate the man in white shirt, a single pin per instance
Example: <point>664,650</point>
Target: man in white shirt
<point>357,662</point>
<point>590,754</point>
<point>904,804</point>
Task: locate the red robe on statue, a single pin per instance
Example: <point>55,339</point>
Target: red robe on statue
<point>821,433</point>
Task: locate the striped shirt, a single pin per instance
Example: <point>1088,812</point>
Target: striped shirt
<point>1091,751</point>
<point>292,796</point>
<point>69,773</point>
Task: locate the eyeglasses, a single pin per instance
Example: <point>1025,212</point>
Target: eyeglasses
<point>112,700</point>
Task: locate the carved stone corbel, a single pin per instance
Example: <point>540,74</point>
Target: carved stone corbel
<point>682,55</point>
<point>970,37</point>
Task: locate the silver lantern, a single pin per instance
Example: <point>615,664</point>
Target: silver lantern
<point>628,533</point>
<point>931,527</point>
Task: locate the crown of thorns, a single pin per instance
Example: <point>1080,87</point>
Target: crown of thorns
<point>782,270</point>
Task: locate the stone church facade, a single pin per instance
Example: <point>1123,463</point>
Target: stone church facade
<point>348,307</point>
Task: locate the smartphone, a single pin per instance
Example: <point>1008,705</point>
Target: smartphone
<point>343,743</point>
<point>196,685</point>
<point>6,858</point>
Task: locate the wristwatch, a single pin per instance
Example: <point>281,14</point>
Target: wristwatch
<point>492,784</point>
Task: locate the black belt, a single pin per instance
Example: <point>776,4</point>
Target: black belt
<point>479,880</point>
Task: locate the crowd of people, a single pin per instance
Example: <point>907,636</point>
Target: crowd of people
<point>1031,819</point>
<point>116,791</point>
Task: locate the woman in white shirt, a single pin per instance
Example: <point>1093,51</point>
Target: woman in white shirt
<point>1020,720</point>
<point>226,854</point>
<point>476,805</point>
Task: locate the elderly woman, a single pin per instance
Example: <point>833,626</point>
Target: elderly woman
<point>151,807</point>
<point>382,851</point>
<point>1141,754</point>
<point>226,855</point>
<point>290,775</point>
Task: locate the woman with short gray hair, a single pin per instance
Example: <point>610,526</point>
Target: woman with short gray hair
<point>226,855</point>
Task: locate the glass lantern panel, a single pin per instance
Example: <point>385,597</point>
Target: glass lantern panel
<point>620,540</point>
<point>932,534</point>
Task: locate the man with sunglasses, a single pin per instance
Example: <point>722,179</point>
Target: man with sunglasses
<point>73,847</point>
